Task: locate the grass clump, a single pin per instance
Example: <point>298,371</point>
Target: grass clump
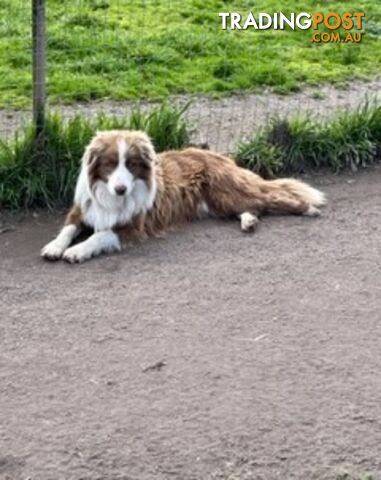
<point>347,476</point>
<point>41,170</point>
<point>291,146</point>
<point>165,125</point>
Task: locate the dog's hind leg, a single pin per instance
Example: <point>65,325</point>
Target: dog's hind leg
<point>284,202</point>
<point>55,249</point>
<point>234,191</point>
<point>249,221</point>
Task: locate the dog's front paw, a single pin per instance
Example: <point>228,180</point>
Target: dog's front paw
<point>76,254</point>
<point>52,251</point>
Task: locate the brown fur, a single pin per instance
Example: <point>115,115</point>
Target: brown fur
<point>190,177</point>
<point>103,157</point>
<point>139,163</point>
<point>180,185</point>
<point>74,217</point>
<point>186,180</point>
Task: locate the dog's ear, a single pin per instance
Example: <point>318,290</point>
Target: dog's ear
<point>90,161</point>
<point>140,159</point>
<point>147,153</point>
<point>139,155</point>
<point>92,156</point>
<point>93,150</point>
<point>142,149</point>
<point>141,145</point>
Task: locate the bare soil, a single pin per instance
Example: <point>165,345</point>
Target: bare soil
<point>208,355</point>
<point>222,123</point>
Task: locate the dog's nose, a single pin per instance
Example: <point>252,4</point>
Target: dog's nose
<point>120,189</point>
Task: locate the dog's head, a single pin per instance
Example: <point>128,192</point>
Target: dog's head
<point>119,160</point>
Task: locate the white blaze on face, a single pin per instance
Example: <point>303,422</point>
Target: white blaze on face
<point>121,176</point>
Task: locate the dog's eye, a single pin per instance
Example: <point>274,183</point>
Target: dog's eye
<point>108,162</point>
<point>132,162</point>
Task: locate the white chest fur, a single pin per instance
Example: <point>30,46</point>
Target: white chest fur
<point>103,211</point>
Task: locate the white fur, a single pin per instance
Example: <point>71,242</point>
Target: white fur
<point>248,221</point>
<point>101,208</point>
<point>56,247</point>
<point>312,212</point>
<point>203,210</point>
<point>310,194</point>
<point>314,196</point>
<point>121,176</point>
<point>100,242</point>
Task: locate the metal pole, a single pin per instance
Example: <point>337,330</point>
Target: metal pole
<point>39,62</point>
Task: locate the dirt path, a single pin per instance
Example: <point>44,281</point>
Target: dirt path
<point>222,123</point>
<point>209,355</point>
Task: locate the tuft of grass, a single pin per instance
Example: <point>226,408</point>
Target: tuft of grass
<point>351,140</point>
<point>347,476</point>
<point>351,55</point>
<point>317,95</point>
<point>165,125</point>
<point>41,170</point>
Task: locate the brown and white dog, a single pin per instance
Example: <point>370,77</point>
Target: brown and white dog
<point>125,190</point>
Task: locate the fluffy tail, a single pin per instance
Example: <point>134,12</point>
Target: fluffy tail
<point>294,196</point>
<point>302,191</point>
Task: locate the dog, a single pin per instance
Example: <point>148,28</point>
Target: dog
<point>125,190</point>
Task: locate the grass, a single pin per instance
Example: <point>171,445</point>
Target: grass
<point>347,476</point>
<point>352,139</point>
<point>41,170</point>
<point>129,49</point>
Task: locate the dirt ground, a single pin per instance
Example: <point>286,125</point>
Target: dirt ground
<point>208,355</point>
<point>224,122</point>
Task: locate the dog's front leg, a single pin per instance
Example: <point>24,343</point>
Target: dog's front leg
<point>54,249</point>
<point>100,242</point>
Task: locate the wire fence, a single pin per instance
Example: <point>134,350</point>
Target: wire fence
<point>112,56</point>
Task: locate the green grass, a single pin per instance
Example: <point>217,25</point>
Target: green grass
<point>347,476</point>
<point>128,49</point>
<point>41,170</point>
<point>349,141</point>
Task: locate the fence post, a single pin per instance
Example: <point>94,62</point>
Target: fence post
<point>39,62</point>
